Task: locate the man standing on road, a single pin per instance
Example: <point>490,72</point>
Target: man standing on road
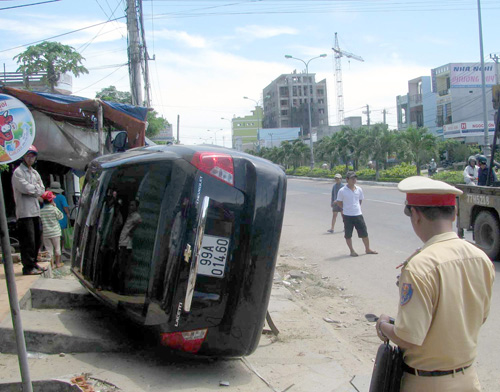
<point>445,292</point>
<point>28,187</point>
<point>349,199</point>
<point>335,208</point>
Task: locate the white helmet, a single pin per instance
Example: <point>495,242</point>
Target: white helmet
<point>471,158</point>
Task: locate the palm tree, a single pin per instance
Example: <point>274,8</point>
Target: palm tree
<point>417,141</point>
<point>379,142</point>
<point>300,153</point>
<point>343,145</point>
<point>286,153</point>
<point>326,150</point>
<point>357,145</point>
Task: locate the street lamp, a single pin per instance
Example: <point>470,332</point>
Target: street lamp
<point>210,130</point>
<point>258,120</point>
<point>231,129</point>
<point>306,63</point>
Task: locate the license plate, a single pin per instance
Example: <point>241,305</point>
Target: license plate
<point>213,256</point>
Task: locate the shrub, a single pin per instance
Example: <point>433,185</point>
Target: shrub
<point>366,174</point>
<point>340,169</point>
<point>399,172</point>
<point>289,171</point>
<point>450,176</point>
<point>317,172</point>
<point>302,171</point>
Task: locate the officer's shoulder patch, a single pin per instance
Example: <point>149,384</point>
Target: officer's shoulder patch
<point>406,293</point>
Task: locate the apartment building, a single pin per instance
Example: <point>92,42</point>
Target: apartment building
<point>418,107</point>
<point>286,102</point>
<point>458,109</point>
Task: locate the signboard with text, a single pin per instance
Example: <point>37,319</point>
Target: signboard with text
<point>466,128</point>
<point>469,75</point>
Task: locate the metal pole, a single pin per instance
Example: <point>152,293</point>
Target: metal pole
<point>310,121</point>
<point>13,300</point>
<point>100,127</point>
<point>178,121</point>
<point>486,147</point>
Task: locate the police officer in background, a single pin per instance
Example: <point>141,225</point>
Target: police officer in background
<point>445,291</point>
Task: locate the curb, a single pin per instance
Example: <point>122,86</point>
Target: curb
<point>388,184</point>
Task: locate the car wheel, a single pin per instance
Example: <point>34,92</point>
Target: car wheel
<point>487,234</point>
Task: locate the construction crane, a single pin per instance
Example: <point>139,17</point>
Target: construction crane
<point>338,77</point>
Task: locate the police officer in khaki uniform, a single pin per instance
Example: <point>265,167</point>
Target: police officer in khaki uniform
<point>445,291</point>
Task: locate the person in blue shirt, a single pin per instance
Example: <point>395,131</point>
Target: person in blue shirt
<point>335,208</point>
<point>61,203</point>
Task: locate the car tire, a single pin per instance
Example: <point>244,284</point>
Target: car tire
<point>487,234</point>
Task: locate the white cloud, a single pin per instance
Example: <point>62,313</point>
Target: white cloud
<point>193,41</point>
<point>259,32</point>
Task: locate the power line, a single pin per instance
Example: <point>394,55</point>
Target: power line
<point>28,5</point>
<point>63,34</point>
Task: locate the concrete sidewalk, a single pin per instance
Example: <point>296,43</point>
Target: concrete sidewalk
<point>295,360</point>
<point>23,284</point>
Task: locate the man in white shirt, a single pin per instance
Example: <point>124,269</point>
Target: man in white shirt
<point>349,198</point>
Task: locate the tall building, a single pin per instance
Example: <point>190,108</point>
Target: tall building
<point>458,110</point>
<point>286,102</point>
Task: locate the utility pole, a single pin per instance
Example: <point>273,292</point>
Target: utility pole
<point>147,86</point>
<point>134,54</point>
<point>178,121</point>
<point>367,115</point>
<point>384,113</point>
<point>486,142</point>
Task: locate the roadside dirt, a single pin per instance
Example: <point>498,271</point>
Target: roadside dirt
<point>322,299</point>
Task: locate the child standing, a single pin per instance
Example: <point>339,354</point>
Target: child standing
<point>50,216</point>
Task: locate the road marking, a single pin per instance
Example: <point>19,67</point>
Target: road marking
<point>386,202</point>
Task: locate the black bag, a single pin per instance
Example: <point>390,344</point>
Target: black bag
<point>388,369</point>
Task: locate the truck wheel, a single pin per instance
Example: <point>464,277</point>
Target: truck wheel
<point>487,234</point>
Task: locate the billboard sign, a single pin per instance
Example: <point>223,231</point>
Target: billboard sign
<point>466,128</point>
<point>469,75</point>
<point>17,129</point>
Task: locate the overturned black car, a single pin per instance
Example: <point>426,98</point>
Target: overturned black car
<point>183,240</point>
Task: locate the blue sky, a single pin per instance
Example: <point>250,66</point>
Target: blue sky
<point>209,54</point>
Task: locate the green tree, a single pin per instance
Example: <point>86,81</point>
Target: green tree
<point>378,143</point>
<point>357,146</point>
<point>326,150</point>
<point>342,142</point>
<point>300,153</point>
<point>156,123</point>
<point>112,94</point>
<point>51,57</point>
<point>416,143</point>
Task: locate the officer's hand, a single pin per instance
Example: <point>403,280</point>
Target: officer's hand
<point>382,319</point>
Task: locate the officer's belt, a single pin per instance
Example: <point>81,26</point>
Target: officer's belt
<point>432,373</point>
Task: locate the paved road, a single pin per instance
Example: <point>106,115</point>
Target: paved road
<point>371,278</point>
